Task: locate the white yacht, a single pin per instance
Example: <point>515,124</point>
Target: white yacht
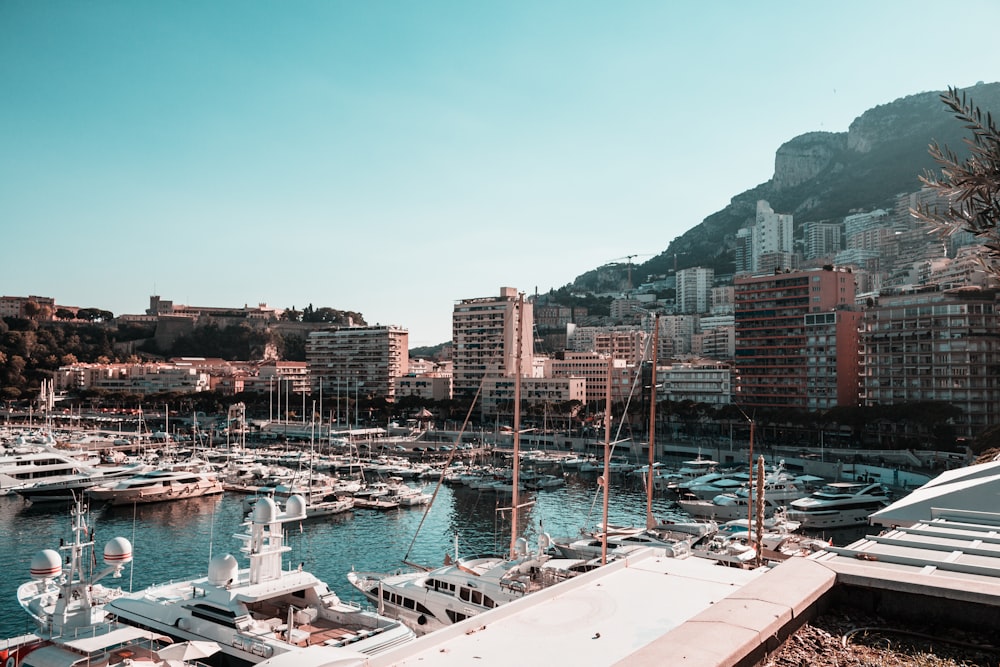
<point>72,627</point>
<point>157,485</point>
<point>263,610</point>
<point>70,486</point>
<point>461,588</point>
<point>839,504</point>
<point>28,465</point>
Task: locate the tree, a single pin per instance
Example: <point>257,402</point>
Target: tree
<point>972,184</point>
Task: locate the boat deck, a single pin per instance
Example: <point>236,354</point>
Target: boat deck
<point>309,632</point>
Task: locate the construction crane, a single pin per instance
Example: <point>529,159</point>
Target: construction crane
<point>628,259</point>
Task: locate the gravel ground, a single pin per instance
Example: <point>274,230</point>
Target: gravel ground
<point>839,639</point>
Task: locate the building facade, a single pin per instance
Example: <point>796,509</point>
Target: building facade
<point>362,361</point>
<point>485,339</point>
<point>929,345</point>
<point>694,289</point>
<point>772,335</point>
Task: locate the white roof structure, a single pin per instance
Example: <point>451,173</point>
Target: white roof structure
<point>973,488</point>
<point>596,618</point>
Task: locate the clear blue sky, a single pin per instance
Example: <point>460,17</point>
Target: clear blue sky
<point>392,157</point>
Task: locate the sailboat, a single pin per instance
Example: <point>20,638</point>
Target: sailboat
<point>464,587</point>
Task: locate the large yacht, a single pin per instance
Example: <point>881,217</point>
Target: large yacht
<point>27,466</point>
<point>263,610</point>
<point>66,603</point>
<point>463,587</point>
<point>157,485</point>
<point>839,504</point>
<point>70,486</point>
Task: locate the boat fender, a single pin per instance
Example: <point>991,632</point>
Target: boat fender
<point>421,620</point>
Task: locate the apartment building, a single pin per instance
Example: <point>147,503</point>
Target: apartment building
<point>701,381</point>
<point>498,393</point>
<point>930,345</point>
<point>427,386</point>
<point>592,367</point>
<point>628,343</point>
<point>361,361</point>
<point>772,334</point>
<point>485,340</point>
<point>136,379</point>
<point>20,306</point>
<point>694,289</point>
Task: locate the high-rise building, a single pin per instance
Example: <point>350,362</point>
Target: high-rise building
<point>822,239</point>
<point>694,289</point>
<point>484,335</point>
<point>928,345</point>
<point>362,361</point>
<point>775,337</point>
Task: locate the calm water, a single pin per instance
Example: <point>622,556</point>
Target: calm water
<point>175,540</point>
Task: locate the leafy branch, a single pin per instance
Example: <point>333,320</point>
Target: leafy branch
<point>971,185</point>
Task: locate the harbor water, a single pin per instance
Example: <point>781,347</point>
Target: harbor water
<point>175,540</point>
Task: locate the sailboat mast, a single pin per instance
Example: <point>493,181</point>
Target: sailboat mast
<point>515,495</point>
<point>607,457</point>
<point>750,482</point>
<point>650,521</point>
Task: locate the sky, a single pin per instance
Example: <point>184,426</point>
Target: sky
<point>394,157</point>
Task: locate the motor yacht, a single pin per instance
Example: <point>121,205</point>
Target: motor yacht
<point>262,610</point>
<point>839,504</point>
<point>158,485</point>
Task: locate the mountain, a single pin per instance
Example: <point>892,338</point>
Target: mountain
<point>824,176</point>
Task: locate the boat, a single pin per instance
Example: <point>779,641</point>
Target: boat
<point>157,485</point>
<point>28,465</point>
<point>728,550</point>
<point>547,481</point>
<point>462,587</point>
<point>726,506</point>
<point>264,610</point>
<point>839,504</point>
<point>67,488</point>
<point>67,604</point>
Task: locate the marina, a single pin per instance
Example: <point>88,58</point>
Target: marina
<point>176,540</point>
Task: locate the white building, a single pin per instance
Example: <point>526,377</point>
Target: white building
<point>485,339</point>
<point>358,360</point>
<point>700,381</point>
<point>694,289</point>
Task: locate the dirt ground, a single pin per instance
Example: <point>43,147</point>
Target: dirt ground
<point>847,639</point>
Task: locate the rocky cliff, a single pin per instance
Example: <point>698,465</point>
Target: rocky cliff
<point>827,175</point>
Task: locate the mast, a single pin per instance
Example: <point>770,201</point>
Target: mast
<point>750,483</point>
<point>650,521</point>
<point>515,495</point>
<point>607,456</point>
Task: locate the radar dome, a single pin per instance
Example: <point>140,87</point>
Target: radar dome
<point>265,511</point>
<point>521,546</point>
<point>222,570</point>
<point>295,508</point>
<point>118,551</point>
<point>46,564</point>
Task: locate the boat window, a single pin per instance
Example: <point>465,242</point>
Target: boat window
<point>455,616</point>
<point>221,616</point>
<point>477,597</point>
<point>488,602</point>
<point>463,593</point>
<point>424,610</point>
